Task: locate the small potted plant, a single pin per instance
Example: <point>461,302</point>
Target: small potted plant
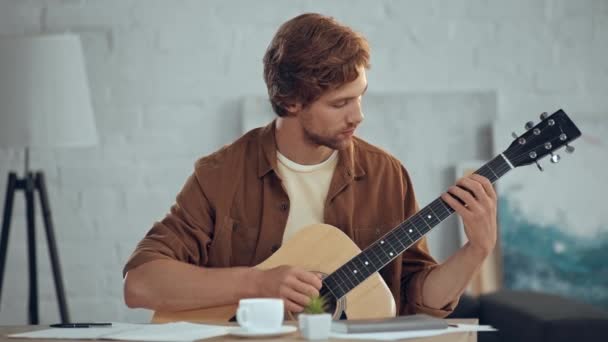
<point>315,322</point>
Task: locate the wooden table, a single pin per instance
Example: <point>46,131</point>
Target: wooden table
<point>454,337</point>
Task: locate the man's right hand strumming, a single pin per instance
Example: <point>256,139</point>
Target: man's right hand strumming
<point>292,284</point>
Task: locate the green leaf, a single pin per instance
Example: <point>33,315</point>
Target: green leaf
<point>317,305</point>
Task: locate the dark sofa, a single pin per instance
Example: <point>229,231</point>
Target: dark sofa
<point>531,316</point>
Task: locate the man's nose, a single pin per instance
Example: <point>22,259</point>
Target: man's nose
<point>357,115</point>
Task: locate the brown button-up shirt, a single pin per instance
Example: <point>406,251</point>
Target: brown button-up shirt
<point>233,209</point>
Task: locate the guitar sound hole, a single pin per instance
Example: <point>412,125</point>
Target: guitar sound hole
<point>333,306</point>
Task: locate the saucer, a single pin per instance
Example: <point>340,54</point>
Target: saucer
<point>242,332</point>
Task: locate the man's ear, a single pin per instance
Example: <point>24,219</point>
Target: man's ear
<point>293,108</point>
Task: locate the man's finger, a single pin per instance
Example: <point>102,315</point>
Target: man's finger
<point>487,185</point>
<point>310,278</point>
<point>468,200</point>
<point>473,186</point>
<point>304,288</point>
<point>292,307</point>
<point>297,297</point>
<point>454,204</point>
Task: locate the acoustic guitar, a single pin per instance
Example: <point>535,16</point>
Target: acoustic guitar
<point>351,282</point>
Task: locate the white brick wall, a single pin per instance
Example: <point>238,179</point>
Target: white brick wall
<point>167,77</point>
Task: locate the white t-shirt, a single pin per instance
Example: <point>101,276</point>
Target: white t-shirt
<point>307,187</point>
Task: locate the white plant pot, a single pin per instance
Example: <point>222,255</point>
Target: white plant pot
<point>315,326</point>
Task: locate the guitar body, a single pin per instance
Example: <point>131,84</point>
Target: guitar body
<point>319,248</point>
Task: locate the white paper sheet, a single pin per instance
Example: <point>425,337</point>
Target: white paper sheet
<point>399,335</point>
<point>77,333</point>
<point>174,332</point>
<point>171,332</point>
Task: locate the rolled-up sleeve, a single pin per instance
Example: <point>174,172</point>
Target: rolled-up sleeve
<point>417,263</point>
<point>184,234</point>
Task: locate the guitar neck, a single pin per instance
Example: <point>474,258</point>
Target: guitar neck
<point>400,238</point>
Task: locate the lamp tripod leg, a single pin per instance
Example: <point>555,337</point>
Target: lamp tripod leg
<point>52,246</point>
<point>6,224</point>
<point>31,248</point>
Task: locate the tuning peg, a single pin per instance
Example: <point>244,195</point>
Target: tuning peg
<point>555,158</point>
<point>569,149</point>
<point>514,135</point>
<point>529,125</point>
<point>540,168</point>
<point>544,115</point>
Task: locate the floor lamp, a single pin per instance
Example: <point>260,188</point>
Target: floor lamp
<point>44,103</point>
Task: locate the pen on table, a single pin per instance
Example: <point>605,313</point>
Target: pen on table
<point>80,325</point>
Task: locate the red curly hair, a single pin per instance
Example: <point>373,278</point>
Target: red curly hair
<point>308,55</point>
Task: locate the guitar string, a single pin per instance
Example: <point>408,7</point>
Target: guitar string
<point>399,234</point>
<point>387,239</point>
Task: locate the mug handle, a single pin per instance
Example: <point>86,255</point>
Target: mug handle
<point>241,317</point>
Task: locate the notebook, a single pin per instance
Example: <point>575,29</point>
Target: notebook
<point>399,323</point>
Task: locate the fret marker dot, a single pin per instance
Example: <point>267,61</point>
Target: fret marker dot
<point>382,242</point>
<point>411,231</point>
<point>355,271</point>
<point>366,263</point>
<point>429,216</point>
<point>391,253</point>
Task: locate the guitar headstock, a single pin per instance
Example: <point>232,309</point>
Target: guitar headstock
<point>550,134</point>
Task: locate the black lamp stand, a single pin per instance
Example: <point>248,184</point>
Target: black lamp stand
<point>31,183</point>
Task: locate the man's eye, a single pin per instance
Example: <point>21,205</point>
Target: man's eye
<point>340,104</point>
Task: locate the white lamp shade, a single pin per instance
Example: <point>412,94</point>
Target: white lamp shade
<point>44,93</point>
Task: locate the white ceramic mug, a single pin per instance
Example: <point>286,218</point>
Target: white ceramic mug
<point>260,314</point>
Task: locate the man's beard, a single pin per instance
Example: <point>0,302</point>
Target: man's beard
<point>334,143</point>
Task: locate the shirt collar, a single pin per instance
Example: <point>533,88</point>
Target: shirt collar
<point>267,155</point>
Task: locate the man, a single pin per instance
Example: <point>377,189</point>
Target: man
<point>305,167</point>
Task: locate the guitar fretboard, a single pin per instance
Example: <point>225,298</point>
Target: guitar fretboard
<point>400,238</point>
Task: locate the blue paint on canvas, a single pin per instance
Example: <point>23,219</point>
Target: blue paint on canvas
<point>548,258</point>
